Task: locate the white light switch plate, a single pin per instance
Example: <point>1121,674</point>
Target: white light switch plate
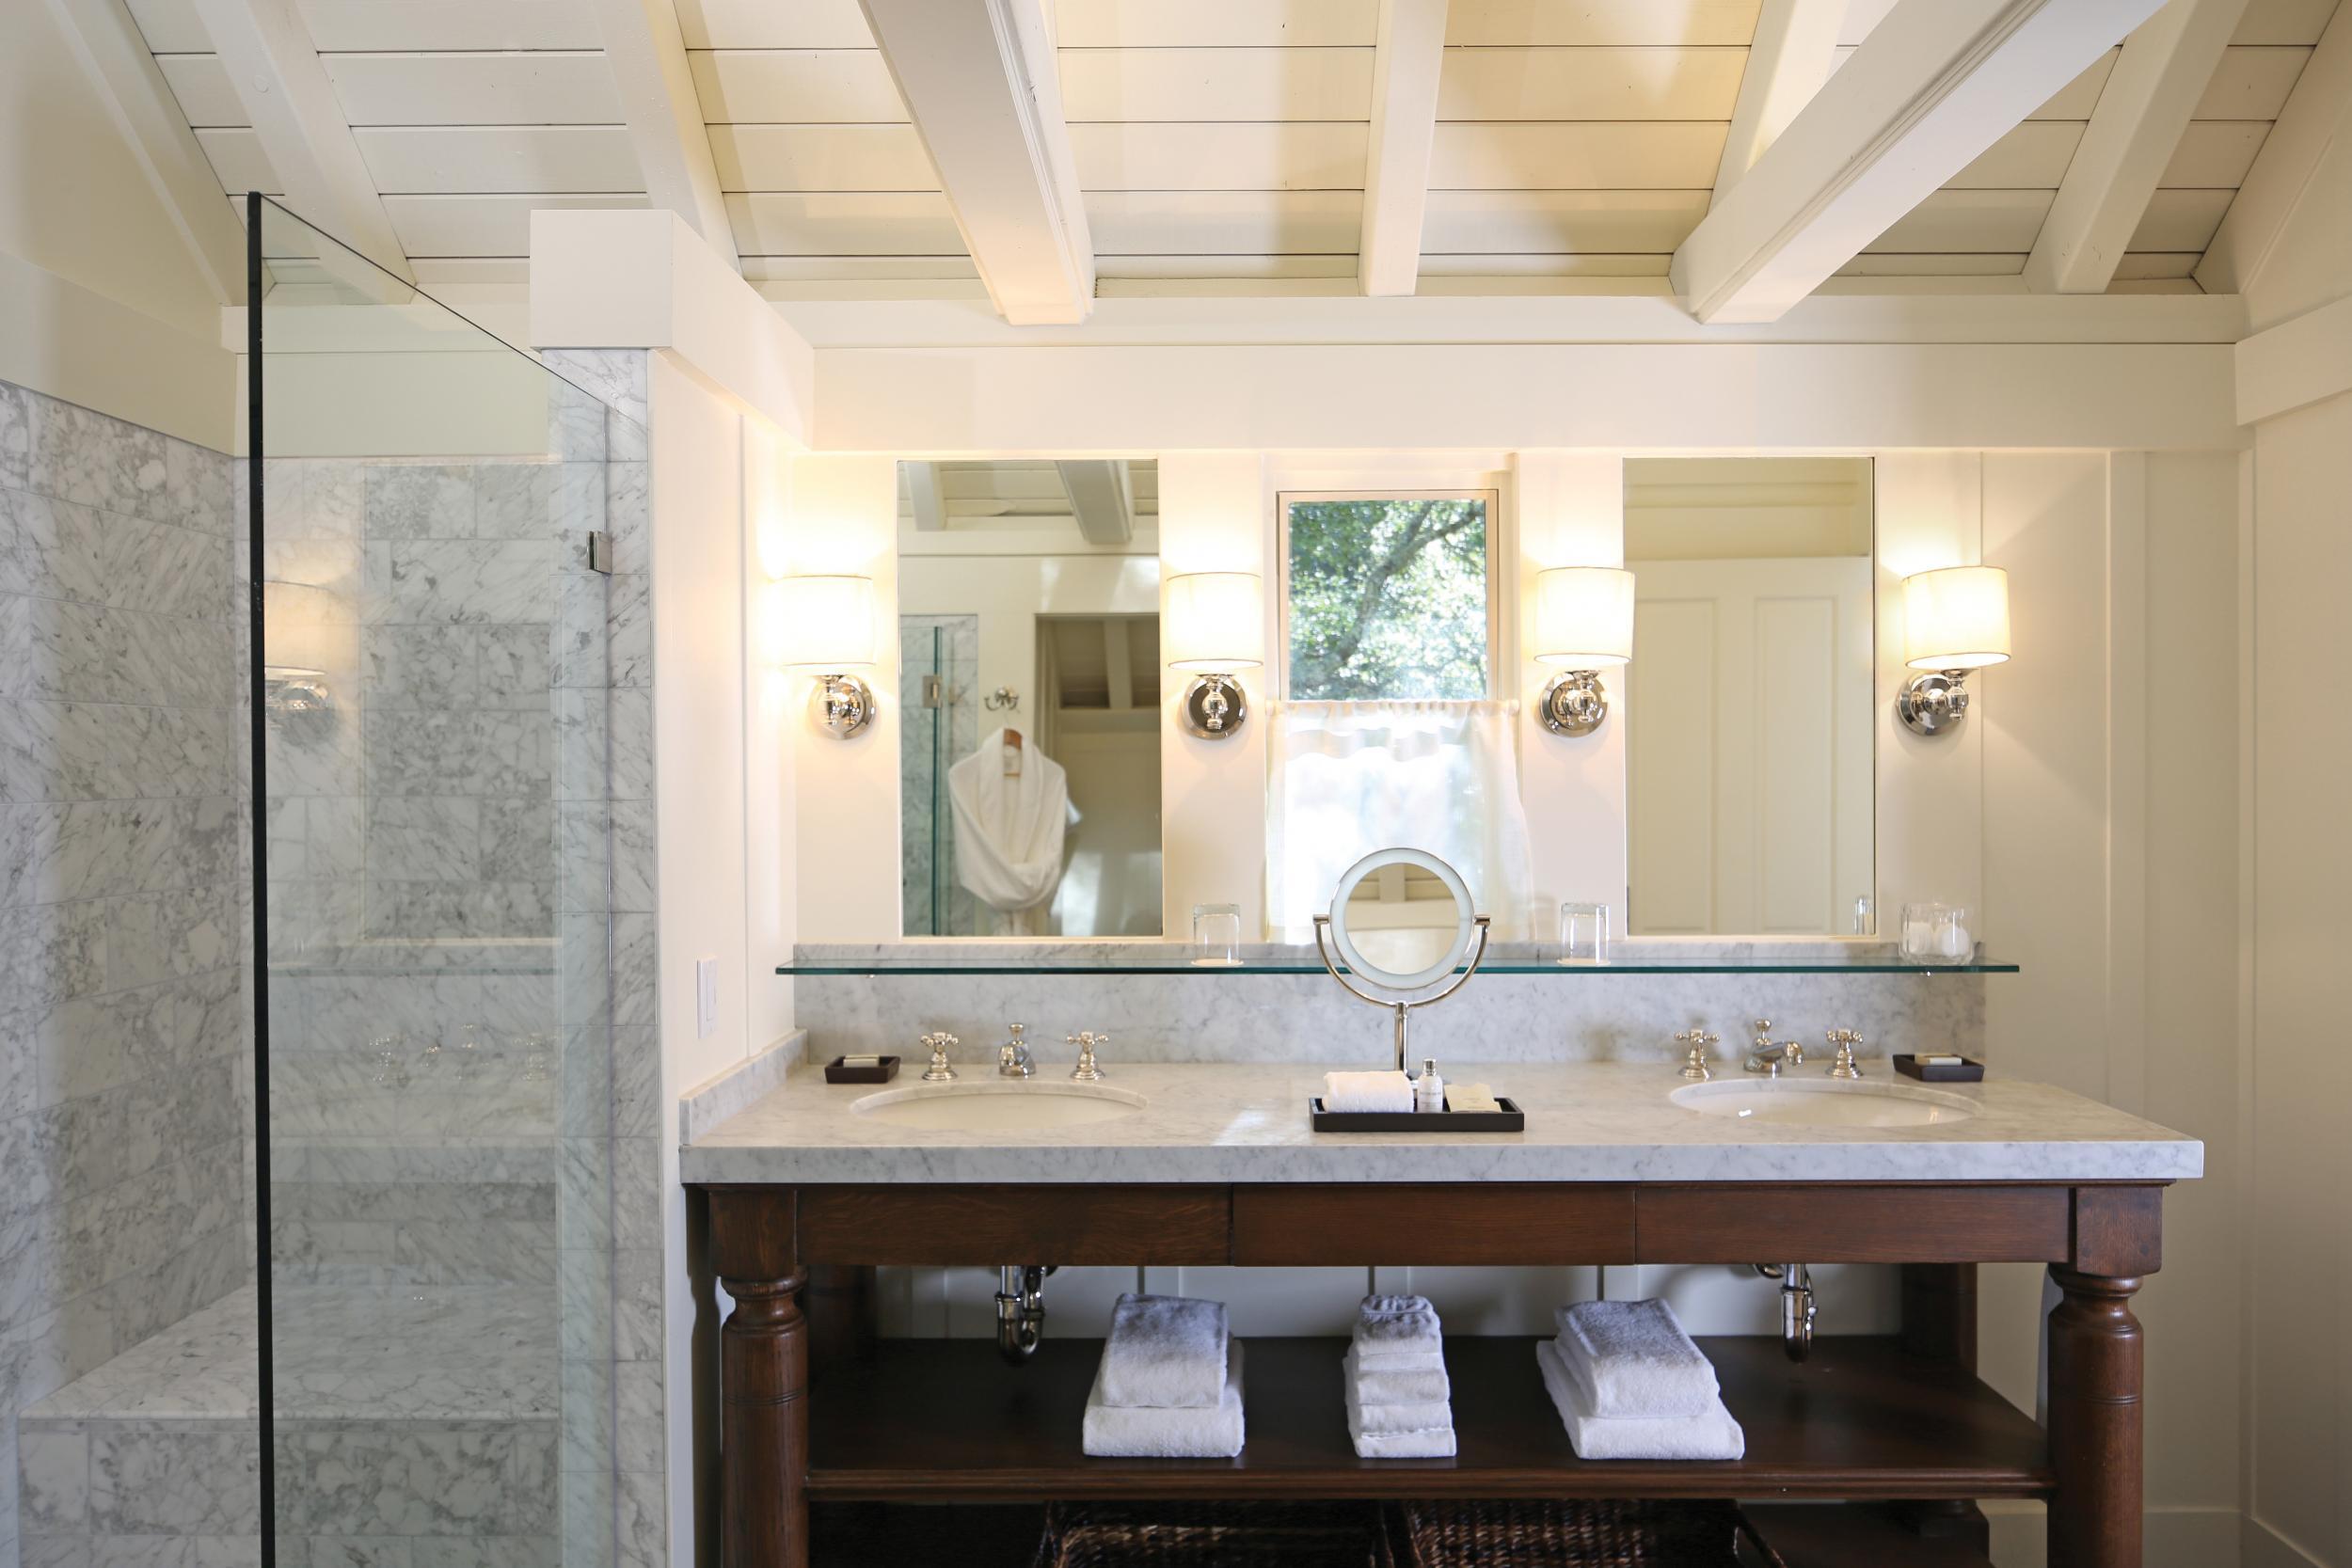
<point>705,998</point>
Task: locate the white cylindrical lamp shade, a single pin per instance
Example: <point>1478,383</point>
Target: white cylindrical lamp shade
<point>1584,617</point>
<point>1956,618</point>
<point>825,623</point>
<point>1215,622</point>
<point>302,629</point>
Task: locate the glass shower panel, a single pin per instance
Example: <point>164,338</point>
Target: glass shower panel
<point>435,693</point>
<point>939,674</point>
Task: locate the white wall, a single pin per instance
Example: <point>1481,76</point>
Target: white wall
<point>101,302</point>
<point>2297,1439</point>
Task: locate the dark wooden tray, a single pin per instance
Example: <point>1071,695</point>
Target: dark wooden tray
<point>1509,1120</point>
<point>839,1072</point>
<point>1966,1071</point>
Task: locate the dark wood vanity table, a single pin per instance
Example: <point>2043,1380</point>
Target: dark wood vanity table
<point>1876,1418</point>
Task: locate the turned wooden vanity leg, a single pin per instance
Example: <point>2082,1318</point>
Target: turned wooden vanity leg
<point>763,1372</point>
<point>2096,1363</point>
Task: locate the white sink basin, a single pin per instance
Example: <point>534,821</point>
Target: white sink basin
<point>1823,1102</point>
<point>1007,1106</point>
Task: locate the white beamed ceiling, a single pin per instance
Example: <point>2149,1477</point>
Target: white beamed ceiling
<point>1221,144</point>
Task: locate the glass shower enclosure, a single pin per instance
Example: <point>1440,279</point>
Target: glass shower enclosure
<point>433,677</point>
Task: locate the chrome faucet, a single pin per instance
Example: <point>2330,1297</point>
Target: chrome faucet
<point>939,1044</point>
<point>1088,1070</point>
<point>1694,1064</point>
<point>1844,1040</point>
<point>1767,1056</point>
<point>1012,1057</point>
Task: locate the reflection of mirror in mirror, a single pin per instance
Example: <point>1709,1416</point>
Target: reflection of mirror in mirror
<point>1029,671</point>
<point>1751,728</point>
<point>1402,918</point>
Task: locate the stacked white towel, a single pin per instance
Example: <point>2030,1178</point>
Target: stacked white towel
<point>1367,1091</point>
<point>1629,1384</point>
<point>1397,1393</point>
<point>1170,1383</point>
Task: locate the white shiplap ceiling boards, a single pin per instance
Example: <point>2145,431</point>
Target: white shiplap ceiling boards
<point>1219,146</point>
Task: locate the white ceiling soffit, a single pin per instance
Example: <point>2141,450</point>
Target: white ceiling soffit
<point>1933,85</point>
<point>982,80</point>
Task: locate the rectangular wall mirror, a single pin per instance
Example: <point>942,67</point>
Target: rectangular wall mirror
<point>1750,729</point>
<point>1029,680</point>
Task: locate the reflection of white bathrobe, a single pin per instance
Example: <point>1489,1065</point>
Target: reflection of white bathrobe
<point>1010,829</point>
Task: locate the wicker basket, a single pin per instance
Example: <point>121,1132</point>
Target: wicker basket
<point>1211,1535</point>
<point>1605,1533</point>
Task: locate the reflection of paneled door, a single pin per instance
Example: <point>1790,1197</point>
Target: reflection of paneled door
<point>1749,734</point>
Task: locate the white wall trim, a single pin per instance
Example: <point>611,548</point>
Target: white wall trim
<point>2298,361</point>
<point>2126,811</point>
<point>646,279</point>
<point>1623,397</point>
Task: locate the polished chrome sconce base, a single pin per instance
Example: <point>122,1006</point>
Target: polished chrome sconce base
<point>845,705</point>
<point>1932,703</point>
<point>1574,703</point>
<point>1214,708</point>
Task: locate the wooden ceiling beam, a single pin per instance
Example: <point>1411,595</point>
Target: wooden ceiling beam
<point>1796,44</point>
<point>2317,112</point>
<point>982,83</point>
<point>2147,101</point>
<point>1935,85</point>
<point>1405,64</point>
<point>647,55</point>
<point>275,71</point>
<point>1101,498</point>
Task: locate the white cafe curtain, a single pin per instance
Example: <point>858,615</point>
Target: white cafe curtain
<point>1349,778</point>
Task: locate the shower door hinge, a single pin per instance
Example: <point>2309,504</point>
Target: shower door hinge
<point>934,694</point>
<point>601,552</point>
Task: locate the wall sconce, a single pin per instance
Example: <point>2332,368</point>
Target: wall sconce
<point>1215,626</point>
<point>1954,621</point>
<point>825,626</point>
<point>1583,620</point>
<point>298,641</point>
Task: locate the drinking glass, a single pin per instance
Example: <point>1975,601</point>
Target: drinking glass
<point>1217,936</point>
<point>1583,933</point>
<point>1937,934</point>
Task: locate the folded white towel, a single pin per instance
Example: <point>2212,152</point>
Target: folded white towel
<point>1130,1432</point>
<point>1393,1332</point>
<point>1434,1443</point>
<point>1711,1435</point>
<point>1367,1091</point>
<point>1631,1359</point>
<point>1165,1353</point>
<point>1417,1417</point>
<point>1414,1380</point>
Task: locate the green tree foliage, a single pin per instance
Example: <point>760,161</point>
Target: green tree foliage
<point>1387,599</point>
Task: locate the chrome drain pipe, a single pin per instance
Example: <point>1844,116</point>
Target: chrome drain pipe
<point>1797,1309</point>
<point>1019,1310</point>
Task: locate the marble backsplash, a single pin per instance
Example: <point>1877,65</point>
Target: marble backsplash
<point>1211,1015</point>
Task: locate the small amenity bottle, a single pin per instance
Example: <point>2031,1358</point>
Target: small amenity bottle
<point>1429,1089</point>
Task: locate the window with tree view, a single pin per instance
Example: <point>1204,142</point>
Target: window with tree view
<point>1387,596</point>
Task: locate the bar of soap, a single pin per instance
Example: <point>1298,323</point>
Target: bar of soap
<point>1941,1060</point>
<point>860,1061</point>
<point>1470,1097</point>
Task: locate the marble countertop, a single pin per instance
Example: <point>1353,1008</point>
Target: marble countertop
<point>1586,1121</point>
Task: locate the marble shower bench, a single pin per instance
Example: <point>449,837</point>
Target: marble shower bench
<point>416,1426</point>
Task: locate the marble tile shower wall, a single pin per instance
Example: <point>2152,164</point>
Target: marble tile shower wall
<point>123,1077</point>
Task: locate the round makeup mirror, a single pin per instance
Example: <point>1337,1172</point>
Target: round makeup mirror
<point>1402,921</point>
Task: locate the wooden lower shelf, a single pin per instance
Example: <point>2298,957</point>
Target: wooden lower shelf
<point>944,1420</point>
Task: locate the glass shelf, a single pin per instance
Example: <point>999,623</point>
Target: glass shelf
<point>981,964</point>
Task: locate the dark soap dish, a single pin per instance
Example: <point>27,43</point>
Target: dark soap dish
<point>839,1072</point>
<point>1963,1071</point>
<point>1509,1120</point>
